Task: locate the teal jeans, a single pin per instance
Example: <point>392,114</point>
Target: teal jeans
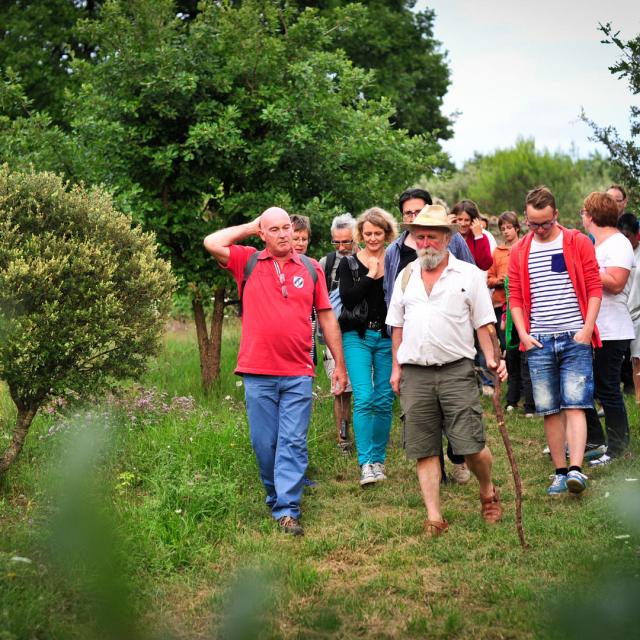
<point>369,366</point>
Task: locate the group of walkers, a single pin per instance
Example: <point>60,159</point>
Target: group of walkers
<point>413,315</point>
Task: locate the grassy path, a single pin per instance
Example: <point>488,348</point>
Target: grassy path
<point>198,555</point>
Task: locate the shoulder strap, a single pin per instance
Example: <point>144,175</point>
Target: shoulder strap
<point>310,268</point>
<point>406,274</point>
<point>353,265</point>
<point>248,269</point>
<point>328,268</point>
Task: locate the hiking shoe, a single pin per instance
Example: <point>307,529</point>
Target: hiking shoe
<point>291,525</point>
<point>460,473</point>
<point>576,482</point>
<point>602,461</point>
<point>558,486</point>
<point>367,475</point>
<point>435,528</point>
<point>592,451</point>
<point>344,446</point>
<point>378,471</point>
<point>490,508</point>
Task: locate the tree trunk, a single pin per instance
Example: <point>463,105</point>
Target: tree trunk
<point>23,422</point>
<point>209,344</point>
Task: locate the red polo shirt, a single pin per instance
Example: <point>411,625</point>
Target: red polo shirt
<point>276,330</point>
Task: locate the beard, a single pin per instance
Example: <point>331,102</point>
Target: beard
<point>431,258</point>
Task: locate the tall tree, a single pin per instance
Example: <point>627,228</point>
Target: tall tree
<point>397,42</point>
<point>202,123</point>
<point>38,40</point>
<point>625,154</point>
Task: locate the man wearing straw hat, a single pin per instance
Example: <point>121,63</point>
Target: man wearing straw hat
<point>437,303</point>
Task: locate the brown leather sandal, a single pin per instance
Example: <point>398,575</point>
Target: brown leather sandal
<point>435,528</point>
<point>491,509</point>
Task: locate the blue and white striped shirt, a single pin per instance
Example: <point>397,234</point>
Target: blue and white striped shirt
<point>554,304</point>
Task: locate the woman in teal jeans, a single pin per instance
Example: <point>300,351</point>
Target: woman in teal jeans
<point>367,346</point>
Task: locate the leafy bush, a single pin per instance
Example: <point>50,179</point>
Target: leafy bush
<point>83,295</point>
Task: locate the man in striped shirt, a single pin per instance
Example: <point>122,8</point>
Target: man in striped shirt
<point>554,296</point>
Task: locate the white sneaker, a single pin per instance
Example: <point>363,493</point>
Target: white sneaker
<point>601,461</point>
<point>510,408</point>
<point>460,473</point>
<point>378,471</point>
<point>367,476</point>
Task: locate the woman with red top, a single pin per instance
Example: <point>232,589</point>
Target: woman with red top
<point>470,227</point>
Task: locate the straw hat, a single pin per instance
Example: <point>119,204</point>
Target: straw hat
<point>433,215</point>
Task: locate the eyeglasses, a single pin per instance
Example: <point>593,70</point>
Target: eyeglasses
<point>541,225</point>
<point>346,243</point>
<point>284,287</point>
<point>413,214</point>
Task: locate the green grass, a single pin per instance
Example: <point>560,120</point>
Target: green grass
<point>144,517</point>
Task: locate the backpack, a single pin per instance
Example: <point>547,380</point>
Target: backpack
<point>251,265</point>
<point>406,275</point>
<point>328,268</point>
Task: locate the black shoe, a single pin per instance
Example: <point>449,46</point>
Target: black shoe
<point>291,525</point>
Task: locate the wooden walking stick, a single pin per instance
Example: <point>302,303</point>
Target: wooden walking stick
<point>505,436</point>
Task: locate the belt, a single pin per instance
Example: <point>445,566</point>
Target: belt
<point>436,366</point>
<point>375,326</point>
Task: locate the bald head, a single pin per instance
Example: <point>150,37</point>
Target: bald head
<point>273,215</point>
<point>277,231</point>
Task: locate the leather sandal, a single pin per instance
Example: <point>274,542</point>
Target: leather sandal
<point>435,528</point>
<point>491,509</point>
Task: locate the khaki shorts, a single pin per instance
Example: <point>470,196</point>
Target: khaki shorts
<point>436,399</point>
<point>329,367</point>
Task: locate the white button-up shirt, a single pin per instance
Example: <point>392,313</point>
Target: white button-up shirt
<point>438,328</point>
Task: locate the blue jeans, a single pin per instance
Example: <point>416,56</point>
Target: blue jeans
<point>369,366</point>
<point>561,373</point>
<point>279,409</point>
<point>607,372</point>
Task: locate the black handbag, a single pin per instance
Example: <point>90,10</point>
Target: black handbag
<point>359,314</point>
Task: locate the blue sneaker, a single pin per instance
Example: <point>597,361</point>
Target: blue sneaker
<point>576,482</point>
<point>558,486</point>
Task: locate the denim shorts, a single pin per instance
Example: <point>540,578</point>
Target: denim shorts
<point>561,373</point>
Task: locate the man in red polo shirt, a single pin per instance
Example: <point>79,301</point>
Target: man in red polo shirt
<point>275,352</point>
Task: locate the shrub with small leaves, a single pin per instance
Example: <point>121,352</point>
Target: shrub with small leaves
<point>84,296</point>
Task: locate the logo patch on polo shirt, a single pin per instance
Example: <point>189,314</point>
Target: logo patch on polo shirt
<point>298,282</point>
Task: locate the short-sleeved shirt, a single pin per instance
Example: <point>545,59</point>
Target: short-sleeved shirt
<point>438,328</point>
<point>614,320</point>
<point>554,303</point>
<point>276,328</point>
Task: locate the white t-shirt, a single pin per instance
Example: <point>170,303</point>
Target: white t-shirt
<point>633,302</point>
<point>554,304</point>
<point>438,328</point>
<point>614,320</point>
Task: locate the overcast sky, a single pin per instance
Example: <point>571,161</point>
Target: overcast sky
<point>527,68</point>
